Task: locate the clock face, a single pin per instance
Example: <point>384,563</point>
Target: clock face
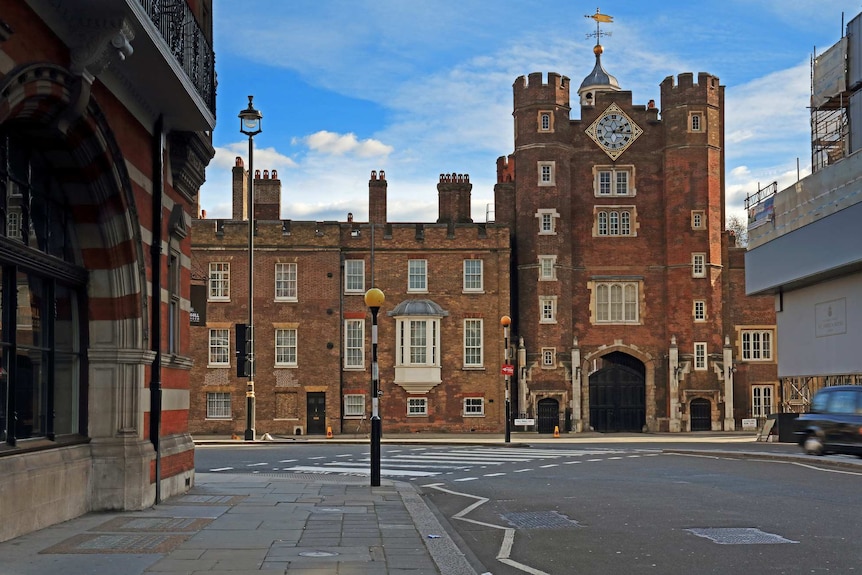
<point>614,131</point>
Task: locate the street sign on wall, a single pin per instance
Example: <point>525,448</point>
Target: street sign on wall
<point>508,369</point>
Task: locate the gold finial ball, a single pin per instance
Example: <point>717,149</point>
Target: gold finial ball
<point>597,50</point>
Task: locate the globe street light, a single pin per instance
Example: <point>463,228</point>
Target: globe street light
<point>374,299</point>
<point>250,125</point>
<point>505,321</point>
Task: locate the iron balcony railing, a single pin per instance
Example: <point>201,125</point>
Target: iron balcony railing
<point>187,42</point>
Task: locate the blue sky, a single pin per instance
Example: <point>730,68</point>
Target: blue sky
<point>422,87</point>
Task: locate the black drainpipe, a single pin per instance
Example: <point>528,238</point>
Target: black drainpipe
<point>156,308</point>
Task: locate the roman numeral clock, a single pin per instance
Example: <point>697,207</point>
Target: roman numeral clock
<point>614,131</point>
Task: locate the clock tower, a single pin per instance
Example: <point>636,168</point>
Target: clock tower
<point>619,255</point>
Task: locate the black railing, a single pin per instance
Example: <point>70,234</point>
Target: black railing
<point>187,42</point>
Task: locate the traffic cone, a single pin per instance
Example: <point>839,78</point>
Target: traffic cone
<point>329,432</point>
<point>556,431</point>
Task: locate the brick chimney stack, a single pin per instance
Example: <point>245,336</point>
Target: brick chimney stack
<point>240,190</point>
<point>377,198</point>
<point>267,196</point>
<point>454,199</point>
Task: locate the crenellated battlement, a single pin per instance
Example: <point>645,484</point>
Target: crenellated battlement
<point>506,169</point>
<point>686,91</point>
<point>532,90</point>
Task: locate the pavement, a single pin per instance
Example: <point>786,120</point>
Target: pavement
<point>295,524</point>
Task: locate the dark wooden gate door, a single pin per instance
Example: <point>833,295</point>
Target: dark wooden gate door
<point>316,412</point>
<point>617,399</point>
<point>549,415</point>
<point>701,416</point>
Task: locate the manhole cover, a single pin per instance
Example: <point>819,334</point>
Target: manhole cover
<point>739,536</point>
<point>317,554</point>
<point>539,520</point>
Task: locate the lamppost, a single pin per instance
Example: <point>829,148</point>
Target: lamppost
<point>374,299</point>
<point>505,321</point>
<point>249,124</point>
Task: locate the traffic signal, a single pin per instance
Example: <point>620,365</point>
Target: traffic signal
<point>241,350</point>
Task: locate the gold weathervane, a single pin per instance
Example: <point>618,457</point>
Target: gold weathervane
<point>600,19</point>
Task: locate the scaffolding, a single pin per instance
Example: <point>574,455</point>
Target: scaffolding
<point>830,101</point>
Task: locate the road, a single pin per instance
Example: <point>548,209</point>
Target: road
<point>609,508</point>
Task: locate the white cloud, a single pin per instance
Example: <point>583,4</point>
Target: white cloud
<point>340,144</point>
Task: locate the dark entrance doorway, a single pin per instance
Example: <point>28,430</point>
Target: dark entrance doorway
<point>618,394</point>
<point>548,411</point>
<point>701,415</point>
<point>315,410</point>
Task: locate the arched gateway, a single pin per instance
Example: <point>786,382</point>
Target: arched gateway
<point>618,394</point>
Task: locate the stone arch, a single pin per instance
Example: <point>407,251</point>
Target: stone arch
<point>649,363</point>
<point>53,105</point>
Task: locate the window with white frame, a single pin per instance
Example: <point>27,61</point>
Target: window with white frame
<point>613,221</point>
<point>548,355</point>
<point>761,400</point>
<point>613,181</point>
<point>418,341</point>
<point>547,221</point>
<point>354,343</point>
<point>219,347</point>
<point>473,280</point>
<point>218,405</point>
<point>616,302</point>
<point>756,344</point>
<point>417,275</point>
<point>700,355</point>
<point>285,281</point>
<point>547,309</point>
<point>546,173</point>
<point>13,224</point>
<point>219,281</point>
<point>354,405</point>
<point>698,219</point>
<point>546,121</point>
<point>474,406</point>
<point>354,276</point>
<point>695,122</point>
<point>698,265</point>
<point>473,343</point>
<point>547,268</point>
<point>417,406</point>
<point>285,347</point>
<point>699,310</point>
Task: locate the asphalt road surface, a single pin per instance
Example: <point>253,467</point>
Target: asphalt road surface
<point>608,508</point>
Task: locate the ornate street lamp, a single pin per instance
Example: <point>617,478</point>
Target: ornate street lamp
<point>250,125</point>
<point>374,299</point>
<point>505,321</point>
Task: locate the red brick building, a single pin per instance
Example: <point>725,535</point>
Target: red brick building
<point>440,347</point>
<point>609,251</point>
<point>106,111</point>
<point>629,306</point>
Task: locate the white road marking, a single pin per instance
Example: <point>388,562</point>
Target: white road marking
<point>359,471</point>
<point>221,469</point>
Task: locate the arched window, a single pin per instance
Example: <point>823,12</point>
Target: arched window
<point>41,295</point>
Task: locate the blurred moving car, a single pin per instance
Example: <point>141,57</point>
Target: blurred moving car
<point>834,424</point>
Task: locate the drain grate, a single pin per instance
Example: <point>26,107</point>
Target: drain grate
<point>136,544</point>
<point>173,524</point>
<point>539,520</point>
<point>739,536</point>
<point>204,500</point>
